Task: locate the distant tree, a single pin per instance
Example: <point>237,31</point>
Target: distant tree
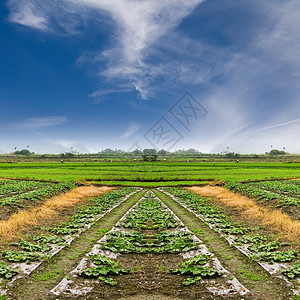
<point>188,151</point>
<point>137,152</point>
<point>275,152</point>
<point>191,151</point>
<point>107,151</point>
<point>67,154</point>
<point>111,151</point>
<point>24,152</point>
<point>149,151</point>
<point>232,155</point>
<point>162,151</point>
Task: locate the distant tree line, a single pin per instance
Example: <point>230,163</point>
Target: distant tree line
<point>275,152</point>
<point>151,154</point>
<point>23,152</point>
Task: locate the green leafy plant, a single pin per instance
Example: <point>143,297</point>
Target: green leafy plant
<point>105,266</point>
<point>7,271</point>
<point>29,247</point>
<point>272,246</point>
<point>293,271</point>
<point>277,256</point>
<point>150,214</point>
<point>194,266</point>
<point>22,256</point>
<point>49,239</point>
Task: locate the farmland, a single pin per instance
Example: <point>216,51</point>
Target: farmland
<point>123,230</point>
<point>149,174</point>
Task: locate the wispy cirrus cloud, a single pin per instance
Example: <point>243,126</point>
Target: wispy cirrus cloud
<point>101,95</point>
<point>69,146</point>
<point>131,130</point>
<point>28,15</point>
<point>250,82</point>
<point>138,25</point>
<point>36,123</point>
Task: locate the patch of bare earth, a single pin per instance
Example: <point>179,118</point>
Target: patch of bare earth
<point>150,281</point>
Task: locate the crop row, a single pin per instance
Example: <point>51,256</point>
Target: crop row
<point>291,187</point>
<point>259,247</point>
<point>37,191</point>
<point>150,214</point>
<point>8,187</point>
<point>51,240</point>
<point>269,191</point>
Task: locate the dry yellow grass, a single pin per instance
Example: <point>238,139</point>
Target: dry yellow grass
<point>18,222</point>
<point>279,222</point>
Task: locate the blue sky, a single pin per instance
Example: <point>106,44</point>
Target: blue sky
<point>95,74</point>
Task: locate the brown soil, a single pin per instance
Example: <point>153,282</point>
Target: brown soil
<point>151,279</point>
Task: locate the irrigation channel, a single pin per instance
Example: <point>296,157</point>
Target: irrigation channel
<point>142,247</point>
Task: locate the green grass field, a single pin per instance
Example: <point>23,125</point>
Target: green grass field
<point>150,174</point>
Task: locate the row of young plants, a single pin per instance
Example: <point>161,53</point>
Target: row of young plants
<point>261,247</point>
<point>42,246</point>
<point>137,242</point>
<point>287,192</point>
<point>9,187</point>
<point>33,191</point>
<point>102,268</point>
<point>291,187</point>
<point>150,214</point>
<point>132,237</point>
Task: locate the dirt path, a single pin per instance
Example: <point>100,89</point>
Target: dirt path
<point>276,220</point>
<point>39,283</point>
<point>249,273</point>
<point>23,219</point>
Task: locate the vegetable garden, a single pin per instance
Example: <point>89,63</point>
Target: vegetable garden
<point>164,242</point>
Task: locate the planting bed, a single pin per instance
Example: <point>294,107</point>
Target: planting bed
<point>149,251</point>
<point>277,257</point>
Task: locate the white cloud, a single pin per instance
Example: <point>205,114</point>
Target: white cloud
<point>132,129</point>
<point>101,95</point>
<point>142,22</point>
<point>27,14</point>
<point>36,123</point>
<point>138,24</point>
<point>69,146</point>
<point>257,102</point>
<point>257,82</point>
